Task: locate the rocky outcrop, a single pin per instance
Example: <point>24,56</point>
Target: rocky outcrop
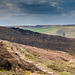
<point>11,61</point>
<point>17,57</point>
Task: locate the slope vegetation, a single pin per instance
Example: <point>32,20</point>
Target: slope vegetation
<point>23,60</point>
<point>38,40</point>
<point>13,61</point>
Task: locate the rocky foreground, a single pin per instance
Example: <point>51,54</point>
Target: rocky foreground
<point>18,59</point>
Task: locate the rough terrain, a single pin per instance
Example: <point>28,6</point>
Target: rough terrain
<point>25,59</point>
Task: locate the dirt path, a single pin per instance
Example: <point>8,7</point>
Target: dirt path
<point>43,69</point>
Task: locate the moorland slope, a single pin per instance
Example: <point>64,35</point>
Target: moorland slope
<point>39,40</point>
<point>22,59</point>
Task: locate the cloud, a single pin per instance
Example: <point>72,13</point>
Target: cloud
<point>63,14</point>
<point>67,6</point>
<point>38,6</point>
<point>41,11</point>
<point>42,1</point>
<point>44,8</point>
<point>53,3</point>
<point>9,5</point>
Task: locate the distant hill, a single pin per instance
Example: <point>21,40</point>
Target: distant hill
<point>39,40</point>
<point>68,30</point>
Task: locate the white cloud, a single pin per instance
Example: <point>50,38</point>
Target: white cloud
<point>53,3</point>
<point>42,1</point>
<point>63,14</point>
<point>9,5</point>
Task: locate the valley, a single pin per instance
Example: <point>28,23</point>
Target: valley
<point>60,30</point>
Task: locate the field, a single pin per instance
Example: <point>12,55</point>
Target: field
<point>66,31</point>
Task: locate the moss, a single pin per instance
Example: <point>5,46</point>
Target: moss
<point>56,67</point>
<point>40,72</point>
<point>65,73</point>
<point>3,70</point>
<point>27,72</point>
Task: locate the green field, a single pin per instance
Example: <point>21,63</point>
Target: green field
<point>44,30</point>
<point>69,31</point>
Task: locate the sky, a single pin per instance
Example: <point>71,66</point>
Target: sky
<point>37,12</point>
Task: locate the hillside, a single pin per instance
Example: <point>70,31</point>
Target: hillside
<point>39,40</point>
<point>21,59</point>
<point>13,60</point>
<point>61,30</point>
